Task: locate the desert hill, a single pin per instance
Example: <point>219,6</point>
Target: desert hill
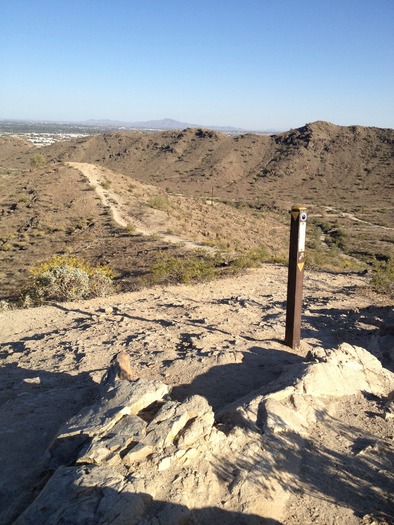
<point>345,174</point>
<point>319,163</point>
<point>260,433</point>
<point>196,185</point>
<point>14,153</point>
<point>115,220</point>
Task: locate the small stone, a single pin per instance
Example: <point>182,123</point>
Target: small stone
<point>120,369</point>
<point>137,453</point>
<point>35,381</point>
<point>179,454</point>
<point>164,464</point>
<point>192,453</point>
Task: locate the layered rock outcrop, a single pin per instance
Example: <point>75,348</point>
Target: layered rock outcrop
<point>136,456</point>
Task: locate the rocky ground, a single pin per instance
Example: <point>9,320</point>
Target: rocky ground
<point>269,434</point>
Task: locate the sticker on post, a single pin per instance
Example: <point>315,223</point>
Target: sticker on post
<point>301,237</point>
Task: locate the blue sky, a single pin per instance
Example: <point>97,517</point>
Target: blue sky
<point>256,64</point>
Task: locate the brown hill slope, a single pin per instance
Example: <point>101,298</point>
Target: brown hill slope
<point>162,184</point>
<point>320,163</point>
<point>345,174</point>
<point>14,153</point>
<point>109,218</point>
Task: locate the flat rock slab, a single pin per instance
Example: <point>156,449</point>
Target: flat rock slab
<point>175,423</point>
<point>95,422</point>
<point>85,496</point>
<point>123,399</point>
<point>107,449</point>
<point>305,389</point>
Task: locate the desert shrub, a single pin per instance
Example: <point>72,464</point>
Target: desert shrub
<point>183,270</point>
<point>100,284</point>
<point>159,202</point>
<point>4,305</point>
<point>247,259</point>
<point>106,184</point>
<point>23,198</point>
<point>332,260</point>
<point>201,266</point>
<point>38,160</point>
<point>131,229</point>
<point>382,279</point>
<point>68,278</point>
<point>335,236</point>
<point>64,283</point>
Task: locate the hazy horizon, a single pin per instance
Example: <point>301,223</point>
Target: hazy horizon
<point>118,123</point>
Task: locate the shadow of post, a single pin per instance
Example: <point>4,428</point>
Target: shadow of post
<point>223,384</point>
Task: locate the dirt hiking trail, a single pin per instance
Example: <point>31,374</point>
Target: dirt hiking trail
<point>145,224</point>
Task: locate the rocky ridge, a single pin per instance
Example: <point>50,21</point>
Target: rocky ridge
<point>139,448</point>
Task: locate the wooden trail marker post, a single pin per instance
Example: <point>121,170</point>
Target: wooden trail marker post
<point>295,276</point>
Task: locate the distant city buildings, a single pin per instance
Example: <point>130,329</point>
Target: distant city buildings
<point>45,139</point>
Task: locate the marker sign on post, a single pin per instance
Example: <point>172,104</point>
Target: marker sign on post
<point>301,237</point>
<point>295,276</point>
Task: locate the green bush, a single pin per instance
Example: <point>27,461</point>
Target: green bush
<point>201,266</point>
<point>68,278</point>
<point>159,202</point>
<point>63,284</point>
<point>382,279</point>
<point>106,184</point>
<point>38,160</point>
<point>179,270</point>
<point>251,258</point>
<point>131,229</point>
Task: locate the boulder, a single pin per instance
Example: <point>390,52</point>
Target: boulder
<point>175,423</point>
<point>303,390</point>
<point>124,399</point>
<point>166,464</point>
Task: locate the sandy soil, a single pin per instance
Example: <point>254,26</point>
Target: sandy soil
<point>221,340</point>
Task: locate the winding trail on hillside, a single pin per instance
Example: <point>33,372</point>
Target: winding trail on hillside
<point>96,176</point>
<point>356,219</point>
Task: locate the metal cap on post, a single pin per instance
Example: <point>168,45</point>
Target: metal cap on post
<point>295,276</point>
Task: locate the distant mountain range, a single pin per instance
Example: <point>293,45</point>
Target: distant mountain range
<point>163,124</point>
